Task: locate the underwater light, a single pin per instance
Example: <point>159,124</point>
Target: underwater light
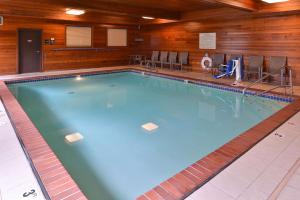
<point>78,78</point>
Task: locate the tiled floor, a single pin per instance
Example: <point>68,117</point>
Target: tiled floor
<point>17,180</point>
<point>257,174</point>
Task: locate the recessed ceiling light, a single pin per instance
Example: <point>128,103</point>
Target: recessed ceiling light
<point>274,1</point>
<point>74,11</point>
<point>147,17</point>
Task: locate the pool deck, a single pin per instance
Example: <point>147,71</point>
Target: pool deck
<point>59,183</point>
<point>270,170</point>
<point>184,74</point>
<point>17,180</point>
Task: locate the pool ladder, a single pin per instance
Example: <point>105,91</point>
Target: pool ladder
<point>284,83</point>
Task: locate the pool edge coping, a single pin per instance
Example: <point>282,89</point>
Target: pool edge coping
<point>178,186</point>
<point>221,86</point>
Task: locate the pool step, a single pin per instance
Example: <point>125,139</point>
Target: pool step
<point>74,137</point>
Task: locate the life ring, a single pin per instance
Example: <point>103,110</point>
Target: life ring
<point>206,62</point>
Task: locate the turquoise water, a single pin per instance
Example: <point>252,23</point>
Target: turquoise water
<point>117,159</point>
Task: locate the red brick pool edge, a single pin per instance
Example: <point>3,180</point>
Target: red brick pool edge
<point>55,178</point>
<point>193,177</point>
<point>60,185</point>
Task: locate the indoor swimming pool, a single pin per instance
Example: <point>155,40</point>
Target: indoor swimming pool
<point>121,134</point>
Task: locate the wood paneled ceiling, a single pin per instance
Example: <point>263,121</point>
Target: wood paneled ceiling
<point>129,12</point>
<point>167,5</point>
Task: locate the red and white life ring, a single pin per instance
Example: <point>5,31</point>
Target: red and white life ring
<point>206,62</point>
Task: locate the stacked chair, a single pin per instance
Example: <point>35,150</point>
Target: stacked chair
<point>152,61</point>
<point>183,61</point>
<point>217,62</point>
<point>163,58</point>
<point>255,67</point>
<point>180,60</point>
<point>277,68</point>
<point>172,59</point>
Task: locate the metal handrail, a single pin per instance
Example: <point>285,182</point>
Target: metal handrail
<point>254,83</point>
<point>278,86</point>
<point>266,91</point>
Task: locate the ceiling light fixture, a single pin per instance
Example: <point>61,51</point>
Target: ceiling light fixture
<point>147,17</point>
<point>274,1</point>
<point>74,11</point>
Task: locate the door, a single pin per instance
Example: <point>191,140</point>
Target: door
<point>30,47</point>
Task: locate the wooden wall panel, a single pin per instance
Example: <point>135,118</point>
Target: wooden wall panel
<point>56,60</point>
<point>269,36</point>
<point>250,36</point>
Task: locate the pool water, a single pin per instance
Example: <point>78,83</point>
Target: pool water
<point>117,159</point>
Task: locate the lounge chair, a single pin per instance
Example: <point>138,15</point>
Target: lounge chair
<point>217,62</point>
<point>137,59</point>
<point>163,58</point>
<point>183,59</point>
<point>277,68</point>
<point>152,61</point>
<point>171,59</point>
<point>235,56</point>
<point>254,67</point>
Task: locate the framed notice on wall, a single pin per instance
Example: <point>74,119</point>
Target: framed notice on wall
<point>207,40</point>
<point>77,36</point>
<point>117,37</point>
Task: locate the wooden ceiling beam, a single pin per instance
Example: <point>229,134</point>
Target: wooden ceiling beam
<point>112,12</point>
<point>91,6</point>
<point>215,14</point>
<point>248,5</point>
<point>120,9</point>
<point>51,13</point>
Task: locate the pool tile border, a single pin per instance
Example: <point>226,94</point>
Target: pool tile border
<point>273,96</point>
<point>252,92</point>
<point>60,185</point>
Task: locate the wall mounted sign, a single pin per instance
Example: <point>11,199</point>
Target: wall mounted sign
<point>116,37</point>
<point>207,40</point>
<point>78,36</point>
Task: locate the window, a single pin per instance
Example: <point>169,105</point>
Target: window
<point>117,37</point>
<point>77,36</point>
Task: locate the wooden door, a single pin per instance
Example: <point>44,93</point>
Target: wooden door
<point>30,50</point>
